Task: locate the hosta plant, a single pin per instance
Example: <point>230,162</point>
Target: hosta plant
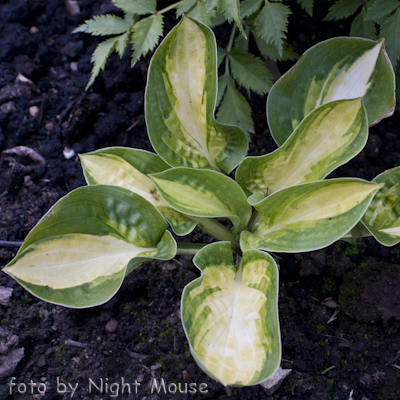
<point>319,113</point>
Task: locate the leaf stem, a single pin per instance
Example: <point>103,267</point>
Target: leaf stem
<point>229,48</point>
<point>164,10</point>
<point>189,249</point>
<point>216,229</point>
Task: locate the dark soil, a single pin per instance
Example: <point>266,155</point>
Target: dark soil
<point>138,334</point>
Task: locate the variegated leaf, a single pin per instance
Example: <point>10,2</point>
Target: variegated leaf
<point>328,137</point>
<point>339,68</point>
<point>382,218</point>
<point>230,315</point>
<point>204,193</point>
<point>309,216</point>
<point>180,223</point>
<point>180,101</point>
<point>81,250</point>
<point>129,168</point>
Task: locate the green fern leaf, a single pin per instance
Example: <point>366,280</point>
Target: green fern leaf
<point>250,72</point>
<point>199,13</point>
<point>221,53</point>
<point>343,9</point>
<point>377,9</point>
<point>390,30</point>
<point>131,18</point>
<point>140,7</point>
<point>363,28</point>
<point>210,4</point>
<point>103,51</point>
<point>104,25</point>
<point>222,85</point>
<point>230,9</point>
<point>271,24</point>
<point>184,7</point>
<point>269,50</point>
<point>219,19</point>
<point>249,7</point>
<point>241,42</point>
<point>146,34</point>
<point>120,46</point>
<point>307,6</point>
<point>235,110</point>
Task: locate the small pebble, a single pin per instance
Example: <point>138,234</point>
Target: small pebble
<point>49,126</point>
<point>74,66</point>
<point>68,153</point>
<point>41,362</point>
<point>27,180</point>
<point>140,378</point>
<point>23,79</point>
<point>8,107</point>
<point>5,294</point>
<point>155,366</point>
<point>34,111</point>
<point>111,326</point>
<point>33,29</point>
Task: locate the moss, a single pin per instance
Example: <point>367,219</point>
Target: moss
<point>170,330</point>
<point>161,361</point>
<point>328,286</point>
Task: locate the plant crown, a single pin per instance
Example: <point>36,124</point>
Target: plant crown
<point>318,113</point>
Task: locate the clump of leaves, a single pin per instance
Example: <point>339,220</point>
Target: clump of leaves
<point>318,113</point>
<point>142,27</point>
<point>373,19</point>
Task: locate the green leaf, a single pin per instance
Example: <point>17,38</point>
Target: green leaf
<point>104,25</point>
<point>204,193</point>
<point>130,18</point>
<point>81,250</point>
<point>230,9</point>
<point>343,9</point>
<point>129,168</point>
<point>180,101</point>
<point>235,110</point>
<point>229,302</point>
<point>363,28</point>
<point>249,7</point>
<point>307,6</point>
<point>397,83</point>
<point>339,68</point>
<point>328,137</point>
<point>146,34</point>
<point>184,7</point>
<point>271,24</point>
<point>378,9</point>
<point>309,216</point>
<point>140,7</point>
<point>180,223</point>
<point>221,54</point>
<point>241,42</point>
<point>382,218</point>
<point>124,167</point>
<point>222,85</point>
<point>199,13</point>
<point>250,72</point>
<point>390,30</point>
<point>103,51</point>
<point>270,51</point>
<point>217,20</point>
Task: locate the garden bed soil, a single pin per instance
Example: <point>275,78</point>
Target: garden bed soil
<point>347,344</point>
